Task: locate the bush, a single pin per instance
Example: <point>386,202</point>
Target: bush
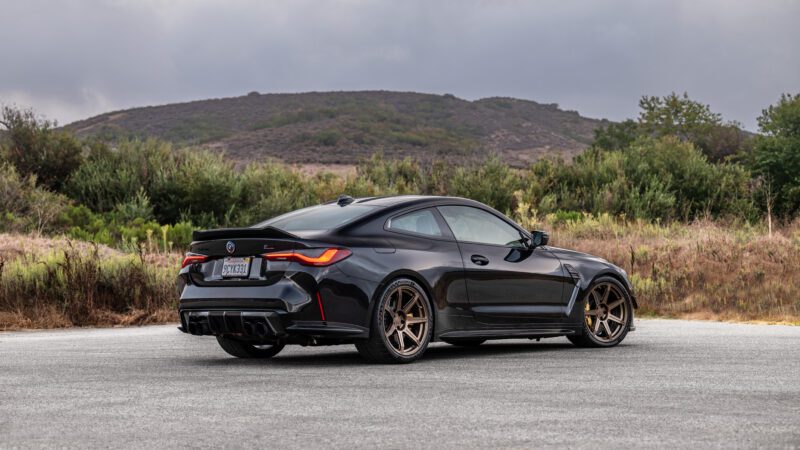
<point>24,206</point>
<point>36,149</point>
<point>653,179</point>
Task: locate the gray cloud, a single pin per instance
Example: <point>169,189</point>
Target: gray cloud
<point>72,59</point>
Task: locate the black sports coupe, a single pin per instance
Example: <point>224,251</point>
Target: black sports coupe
<point>392,274</point>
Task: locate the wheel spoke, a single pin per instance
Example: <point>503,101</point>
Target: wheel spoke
<point>392,329</point>
<point>593,312</point>
<point>596,298</point>
<point>411,303</point>
<point>411,335</point>
<point>606,328</point>
<point>596,326</point>
<point>605,295</point>
<point>616,303</point>
<point>614,318</point>
<point>399,305</point>
<point>400,341</point>
<point>416,320</point>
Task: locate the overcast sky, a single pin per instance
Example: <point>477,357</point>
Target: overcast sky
<point>72,59</point>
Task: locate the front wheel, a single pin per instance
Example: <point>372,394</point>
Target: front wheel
<point>241,349</point>
<point>401,326</point>
<point>608,312</point>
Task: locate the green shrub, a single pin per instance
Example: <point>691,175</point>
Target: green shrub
<point>24,206</point>
<point>36,148</point>
<point>653,179</point>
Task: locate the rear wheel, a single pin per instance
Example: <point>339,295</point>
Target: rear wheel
<point>608,312</point>
<point>402,324</point>
<point>465,342</point>
<point>242,349</point>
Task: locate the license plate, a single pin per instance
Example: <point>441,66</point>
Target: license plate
<point>235,267</point>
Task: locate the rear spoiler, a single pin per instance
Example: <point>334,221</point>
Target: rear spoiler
<point>231,233</point>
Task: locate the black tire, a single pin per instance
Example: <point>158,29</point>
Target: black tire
<point>241,349</point>
<point>381,346</point>
<point>589,337</point>
<point>465,342</point>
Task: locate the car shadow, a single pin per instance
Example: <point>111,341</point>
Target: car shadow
<point>348,356</point>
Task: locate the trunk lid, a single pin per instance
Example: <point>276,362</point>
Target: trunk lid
<point>233,256</point>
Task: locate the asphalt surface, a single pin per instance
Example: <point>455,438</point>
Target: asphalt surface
<point>671,383</point>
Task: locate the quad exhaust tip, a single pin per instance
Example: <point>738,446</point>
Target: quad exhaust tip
<point>262,330</point>
<point>248,329</point>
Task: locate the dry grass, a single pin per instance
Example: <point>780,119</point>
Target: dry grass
<point>700,271</point>
<point>55,283</point>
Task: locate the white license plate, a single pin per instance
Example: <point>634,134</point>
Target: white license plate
<point>235,267</point>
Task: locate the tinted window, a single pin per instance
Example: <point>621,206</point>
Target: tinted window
<point>475,225</point>
<point>421,222</point>
<point>318,218</point>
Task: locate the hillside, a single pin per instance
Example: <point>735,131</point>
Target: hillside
<point>340,127</point>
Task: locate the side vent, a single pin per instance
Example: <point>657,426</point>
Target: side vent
<point>573,272</point>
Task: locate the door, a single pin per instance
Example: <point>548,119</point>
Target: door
<point>507,282</point>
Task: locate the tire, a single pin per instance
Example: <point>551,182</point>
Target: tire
<point>400,330</point>
<point>241,349</point>
<point>608,312</point>
<point>465,342</point>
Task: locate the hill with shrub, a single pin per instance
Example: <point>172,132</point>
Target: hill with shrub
<point>343,127</point>
<point>703,216</point>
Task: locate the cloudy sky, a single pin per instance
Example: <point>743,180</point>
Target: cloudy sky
<point>71,59</point>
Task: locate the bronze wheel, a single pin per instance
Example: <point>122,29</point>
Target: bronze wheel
<point>405,320</point>
<point>607,314</point>
<point>402,324</point>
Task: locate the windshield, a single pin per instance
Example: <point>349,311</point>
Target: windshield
<point>317,218</point>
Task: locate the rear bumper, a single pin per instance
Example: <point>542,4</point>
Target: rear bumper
<point>265,326</point>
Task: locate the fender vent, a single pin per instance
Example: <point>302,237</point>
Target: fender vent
<point>573,272</point>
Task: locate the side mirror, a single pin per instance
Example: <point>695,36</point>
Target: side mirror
<point>539,237</point>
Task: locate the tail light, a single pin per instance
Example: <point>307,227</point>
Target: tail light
<point>192,258</point>
<point>311,257</point>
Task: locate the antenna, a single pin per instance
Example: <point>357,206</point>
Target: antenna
<point>345,200</point>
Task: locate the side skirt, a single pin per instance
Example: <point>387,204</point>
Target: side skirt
<point>506,333</point>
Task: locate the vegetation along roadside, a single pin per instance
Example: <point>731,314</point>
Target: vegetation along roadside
<point>702,214</point>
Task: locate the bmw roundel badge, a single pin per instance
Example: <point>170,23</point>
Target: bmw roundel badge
<point>230,247</point>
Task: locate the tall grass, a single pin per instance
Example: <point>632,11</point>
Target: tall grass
<point>79,284</point>
<point>704,270</point>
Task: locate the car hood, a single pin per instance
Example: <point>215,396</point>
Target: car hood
<point>565,254</point>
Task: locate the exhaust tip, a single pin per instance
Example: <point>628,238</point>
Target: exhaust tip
<point>248,329</point>
<point>262,329</point>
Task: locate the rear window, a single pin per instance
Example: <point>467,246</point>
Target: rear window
<point>419,222</point>
<point>318,218</point>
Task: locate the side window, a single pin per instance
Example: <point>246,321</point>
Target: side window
<point>475,225</point>
<point>420,222</point>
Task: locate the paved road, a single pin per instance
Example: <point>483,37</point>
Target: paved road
<point>671,383</point>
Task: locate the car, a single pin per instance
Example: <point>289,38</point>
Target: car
<point>393,274</point>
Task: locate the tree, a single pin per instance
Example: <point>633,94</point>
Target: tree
<point>776,153</point>
<point>616,136</point>
<point>681,117</point>
<point>675,115</point>
<point>35,147</point>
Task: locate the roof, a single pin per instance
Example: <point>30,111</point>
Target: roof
<point>399,199</point>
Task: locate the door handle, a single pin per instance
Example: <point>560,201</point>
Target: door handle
<point>480,260</point>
